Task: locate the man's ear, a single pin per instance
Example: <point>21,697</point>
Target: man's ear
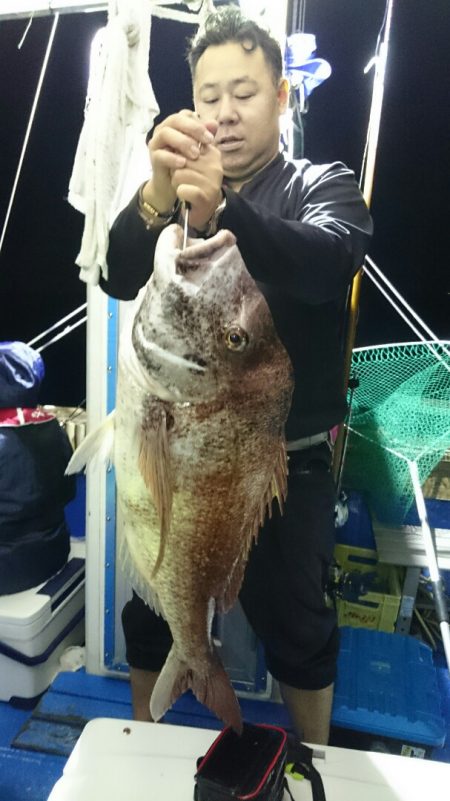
<point>283,95</point>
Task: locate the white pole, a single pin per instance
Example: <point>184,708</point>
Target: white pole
<point>440,601</point>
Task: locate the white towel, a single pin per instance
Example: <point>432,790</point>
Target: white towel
<point>112,157</point>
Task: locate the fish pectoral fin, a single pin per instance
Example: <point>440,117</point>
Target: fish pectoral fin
<point>154,465</point>
<point>214,690</point>
<point>96,447</point>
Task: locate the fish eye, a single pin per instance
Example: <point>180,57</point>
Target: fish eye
<point>236,339</point>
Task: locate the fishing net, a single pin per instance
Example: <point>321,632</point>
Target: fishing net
<point>400,413</point>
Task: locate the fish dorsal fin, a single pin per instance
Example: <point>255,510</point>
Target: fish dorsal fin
<point>154,465</point>
<point>278,484</point>
<point>277,488</point>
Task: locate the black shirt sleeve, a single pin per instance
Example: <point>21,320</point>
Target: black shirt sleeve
<point>312,241</point>
<point>130,254</point>
<point>302,227</point>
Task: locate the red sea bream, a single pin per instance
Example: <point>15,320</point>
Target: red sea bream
<point>197,441</point>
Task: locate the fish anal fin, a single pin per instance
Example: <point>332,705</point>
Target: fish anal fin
<point>213,689</point>
<point>231,593</point>
<point>155,468</point>
<point>137,580</point>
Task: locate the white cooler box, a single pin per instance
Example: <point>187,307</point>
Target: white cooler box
<point>36,626</point>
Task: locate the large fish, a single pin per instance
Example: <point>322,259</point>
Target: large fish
<point>204,389</point>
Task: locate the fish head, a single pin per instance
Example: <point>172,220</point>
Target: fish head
<point>203,326</point>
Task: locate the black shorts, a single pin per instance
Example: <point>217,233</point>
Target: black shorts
<point>283,589</point>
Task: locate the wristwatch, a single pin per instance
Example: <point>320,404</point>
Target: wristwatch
<point>212,225</point>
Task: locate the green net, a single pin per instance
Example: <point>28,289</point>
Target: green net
<point>400,412</point>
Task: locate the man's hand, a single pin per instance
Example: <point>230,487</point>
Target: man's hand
<point>186,165</point>
<point>200,183</point>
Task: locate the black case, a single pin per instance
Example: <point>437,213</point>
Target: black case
<point>249,767</point>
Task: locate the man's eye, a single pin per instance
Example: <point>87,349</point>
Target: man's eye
<point>211,100</point>
<point>243,97</point>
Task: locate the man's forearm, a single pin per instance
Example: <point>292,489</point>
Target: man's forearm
<point>130,253</point>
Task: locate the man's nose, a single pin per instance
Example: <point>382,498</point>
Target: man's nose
<point>227,112</point>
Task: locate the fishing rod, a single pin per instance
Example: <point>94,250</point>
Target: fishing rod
<point>379,62</point>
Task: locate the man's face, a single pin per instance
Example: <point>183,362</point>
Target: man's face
<point>236,88</point>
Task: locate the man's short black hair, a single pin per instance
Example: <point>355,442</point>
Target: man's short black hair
<point>229,25</point>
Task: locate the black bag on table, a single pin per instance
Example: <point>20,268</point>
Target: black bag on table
<point>250,766</point>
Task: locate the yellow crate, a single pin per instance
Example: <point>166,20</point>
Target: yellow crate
<point>351,558</point>
<point>374,610</point>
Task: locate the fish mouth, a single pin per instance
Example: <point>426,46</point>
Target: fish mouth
<point>195,263</point>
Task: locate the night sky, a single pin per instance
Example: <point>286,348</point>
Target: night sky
<point>410,204</point>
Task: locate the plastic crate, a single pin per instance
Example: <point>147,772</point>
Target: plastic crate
<point>387,685</point>
<point>372,610</point>
<point>438,513</point>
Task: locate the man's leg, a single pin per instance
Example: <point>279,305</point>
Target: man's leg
<point>310,712</point>
<point>142,683</point>
<point>283,594</point>
<point>148,640</point>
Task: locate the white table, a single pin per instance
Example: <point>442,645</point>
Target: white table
<point>119,760</point>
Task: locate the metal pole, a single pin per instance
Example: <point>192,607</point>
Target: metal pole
<point>16,9</point>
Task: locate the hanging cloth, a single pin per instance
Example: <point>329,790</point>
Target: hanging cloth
<point>304,72</point>
<point>112,157</point>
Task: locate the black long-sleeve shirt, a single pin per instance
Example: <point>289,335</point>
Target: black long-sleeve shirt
<point>303,231</point>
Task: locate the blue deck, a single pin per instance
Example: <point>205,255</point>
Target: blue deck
<point>35,744</point>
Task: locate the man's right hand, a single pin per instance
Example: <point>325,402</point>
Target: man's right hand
<point>175,141</point>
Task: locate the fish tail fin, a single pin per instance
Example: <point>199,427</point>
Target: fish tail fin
<point>214,690</point>
<point>98,445</point>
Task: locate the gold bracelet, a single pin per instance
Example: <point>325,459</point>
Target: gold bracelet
<point>151,216</point>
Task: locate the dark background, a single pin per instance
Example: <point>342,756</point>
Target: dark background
<point>410,203</point>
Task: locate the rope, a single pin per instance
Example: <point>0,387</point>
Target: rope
<point>30,21</point>
<point>62,334</point>
<point>56,325</point>
<point>402,314</point>
<point>30,124</point>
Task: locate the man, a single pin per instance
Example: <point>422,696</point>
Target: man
<point>302,231</point>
